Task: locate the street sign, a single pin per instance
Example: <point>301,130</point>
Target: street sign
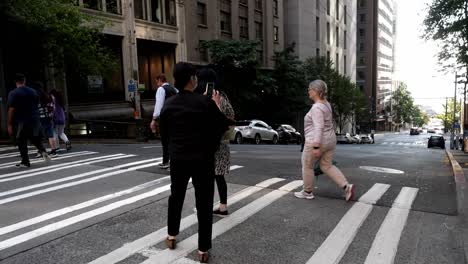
<point>131,85</point>
<point>457,125</point>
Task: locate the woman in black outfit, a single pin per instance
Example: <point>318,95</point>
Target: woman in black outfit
<point>193,125</point>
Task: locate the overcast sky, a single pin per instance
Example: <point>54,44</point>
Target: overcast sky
<point>417,63</point>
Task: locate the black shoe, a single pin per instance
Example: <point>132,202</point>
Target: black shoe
<point>164,165</point>
<point>53,153</point>
<point>23,165</point>
<point>221,213</point>
<point>68,145</point>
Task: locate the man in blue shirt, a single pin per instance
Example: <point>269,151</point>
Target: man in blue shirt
<point>23,120</point>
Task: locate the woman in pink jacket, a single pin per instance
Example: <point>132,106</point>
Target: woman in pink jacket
<point>320,143</point>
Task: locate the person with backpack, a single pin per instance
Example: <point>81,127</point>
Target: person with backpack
<point>59,120</point>
<point>164,92</point>
<point>320,144</point>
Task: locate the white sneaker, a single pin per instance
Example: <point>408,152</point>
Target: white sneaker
<point>349,192</point>
<point>304,195</point>
<point>46,157</point>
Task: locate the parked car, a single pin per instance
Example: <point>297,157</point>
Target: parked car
<point>366,139</point>
<point>344,139</point>
<point>356,139</point>
<point>288,134</point>
<point>414,131</point>
<point>254,130</point>
<point>431,130</point>
<point>436,141</point>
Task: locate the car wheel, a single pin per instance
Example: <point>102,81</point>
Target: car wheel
<point>275,140</point>
<point>238,138</point>
<point>257,139</point>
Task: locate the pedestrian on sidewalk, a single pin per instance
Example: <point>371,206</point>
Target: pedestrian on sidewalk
<point>164,92</point>
<point>23,120</point>
<point>46,108</point>
<point>320,143</point>
<point>207,83</point>
<point>193,126</point>
<point>60,120</point>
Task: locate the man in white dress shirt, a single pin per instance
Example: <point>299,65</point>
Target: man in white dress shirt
<point>164,91</point>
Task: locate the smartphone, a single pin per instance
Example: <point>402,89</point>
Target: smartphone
<point>209,89</point>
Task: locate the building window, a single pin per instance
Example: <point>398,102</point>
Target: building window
<point>345,64</point>
<point>337,32</point>
<point>317,4</point>
<point>244,2</point>
<point>201,13</point>
<point>337,62</point>
<point>345,15</point>
<point>140,9</point>
<point>258,31</point>
<point>362,47</point>
<point>345,39</point>
<point>362,17</point>
<point>362,3</point>
<point>362,60</point>
<point>317,28</point>
<point>361,75</point>
<point>93,4</point>
<point>337,9</point>
<point>275,33</point>
<point>275,7</point>
<point>258,5</point>
<point>362,32</point>
<point>171,17</point>
<point>328,7</point>
<point>113,6</point>
<point>328,32</point>
<point>156,11</point>
<point>328,55</point>
<point>260,57</point>
<point>203,52</point>
<point>225,16</point>
<point>244,27</point>
<point>317,53</point>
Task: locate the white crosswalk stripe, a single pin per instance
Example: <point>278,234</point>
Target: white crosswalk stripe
<point>40,160</point>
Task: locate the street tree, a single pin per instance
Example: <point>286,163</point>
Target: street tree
<point>402,105</point>
<point>64,31</point>
<point>448,116</point>
<point>447,23</point>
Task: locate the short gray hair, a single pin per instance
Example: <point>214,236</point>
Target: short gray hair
<point>320,87</point>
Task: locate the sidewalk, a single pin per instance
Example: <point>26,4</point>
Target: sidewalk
<point>459,161</point>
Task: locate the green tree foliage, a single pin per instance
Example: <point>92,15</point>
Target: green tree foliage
<point>449,117</point>
<point>63,31</point>
<point>404,110</point>
<point>447,22</point>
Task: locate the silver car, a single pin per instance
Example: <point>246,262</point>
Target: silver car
<point>253,130</point>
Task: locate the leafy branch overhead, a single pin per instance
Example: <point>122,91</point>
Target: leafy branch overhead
<point>64,31</point>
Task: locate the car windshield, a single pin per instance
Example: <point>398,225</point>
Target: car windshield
<point>242,123</point>
<point>288,127</point>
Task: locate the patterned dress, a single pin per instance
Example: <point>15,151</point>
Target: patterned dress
<point>223,155</point>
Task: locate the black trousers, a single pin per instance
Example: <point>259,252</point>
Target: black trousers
<point>202,174</point>
<point>165,147</point>
<point>31,132</point>
<point>222,188</point>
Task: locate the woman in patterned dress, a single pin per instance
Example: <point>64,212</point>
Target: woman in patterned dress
<point>207,77</point>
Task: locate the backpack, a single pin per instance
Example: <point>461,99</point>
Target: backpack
<point>170,90</point>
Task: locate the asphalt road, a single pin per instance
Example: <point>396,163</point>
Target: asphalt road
<point>108,204</point>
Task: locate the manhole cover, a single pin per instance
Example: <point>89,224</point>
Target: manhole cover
<point>380,169</point>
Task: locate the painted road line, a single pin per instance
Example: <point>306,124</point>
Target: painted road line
<point>235,167</point>
<point>74,177</point>
<point>185,261</point>
<point>335,245</point>
<point>392,143</point>
<point>70,184</point>
<point>56,167</point>
<point>188,245</point>
<point>9,155</point>
<point>41,159</point>
<point>384,143</point>
<point>64,156</point>
<point>150,147</point>
<point>400,143</point>
<point>385,245</point>
<point>76,207</point>
<point>12,148</point>
<point>79,218</point>
<point>122,156</point>
<point>156,237</point>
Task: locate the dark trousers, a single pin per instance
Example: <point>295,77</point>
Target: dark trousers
<point>31,132</point>
<point>222,188</point>
<point>165,147</point>
<point>202,174</point>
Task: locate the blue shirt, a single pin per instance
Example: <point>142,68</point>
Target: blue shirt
<point>24,100</point>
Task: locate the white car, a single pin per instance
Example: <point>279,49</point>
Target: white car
<point>254,130</point>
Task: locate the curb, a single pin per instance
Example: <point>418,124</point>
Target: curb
<point>462,203</point>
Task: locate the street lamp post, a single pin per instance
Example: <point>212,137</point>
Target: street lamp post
<point>452,136</point>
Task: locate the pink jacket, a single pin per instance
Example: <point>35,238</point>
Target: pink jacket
<point>318,125</point>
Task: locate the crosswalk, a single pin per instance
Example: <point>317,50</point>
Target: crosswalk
<point>49,185</point>
<point>406,144</point>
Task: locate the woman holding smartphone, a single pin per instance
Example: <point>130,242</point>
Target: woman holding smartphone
<point>206,86</point>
